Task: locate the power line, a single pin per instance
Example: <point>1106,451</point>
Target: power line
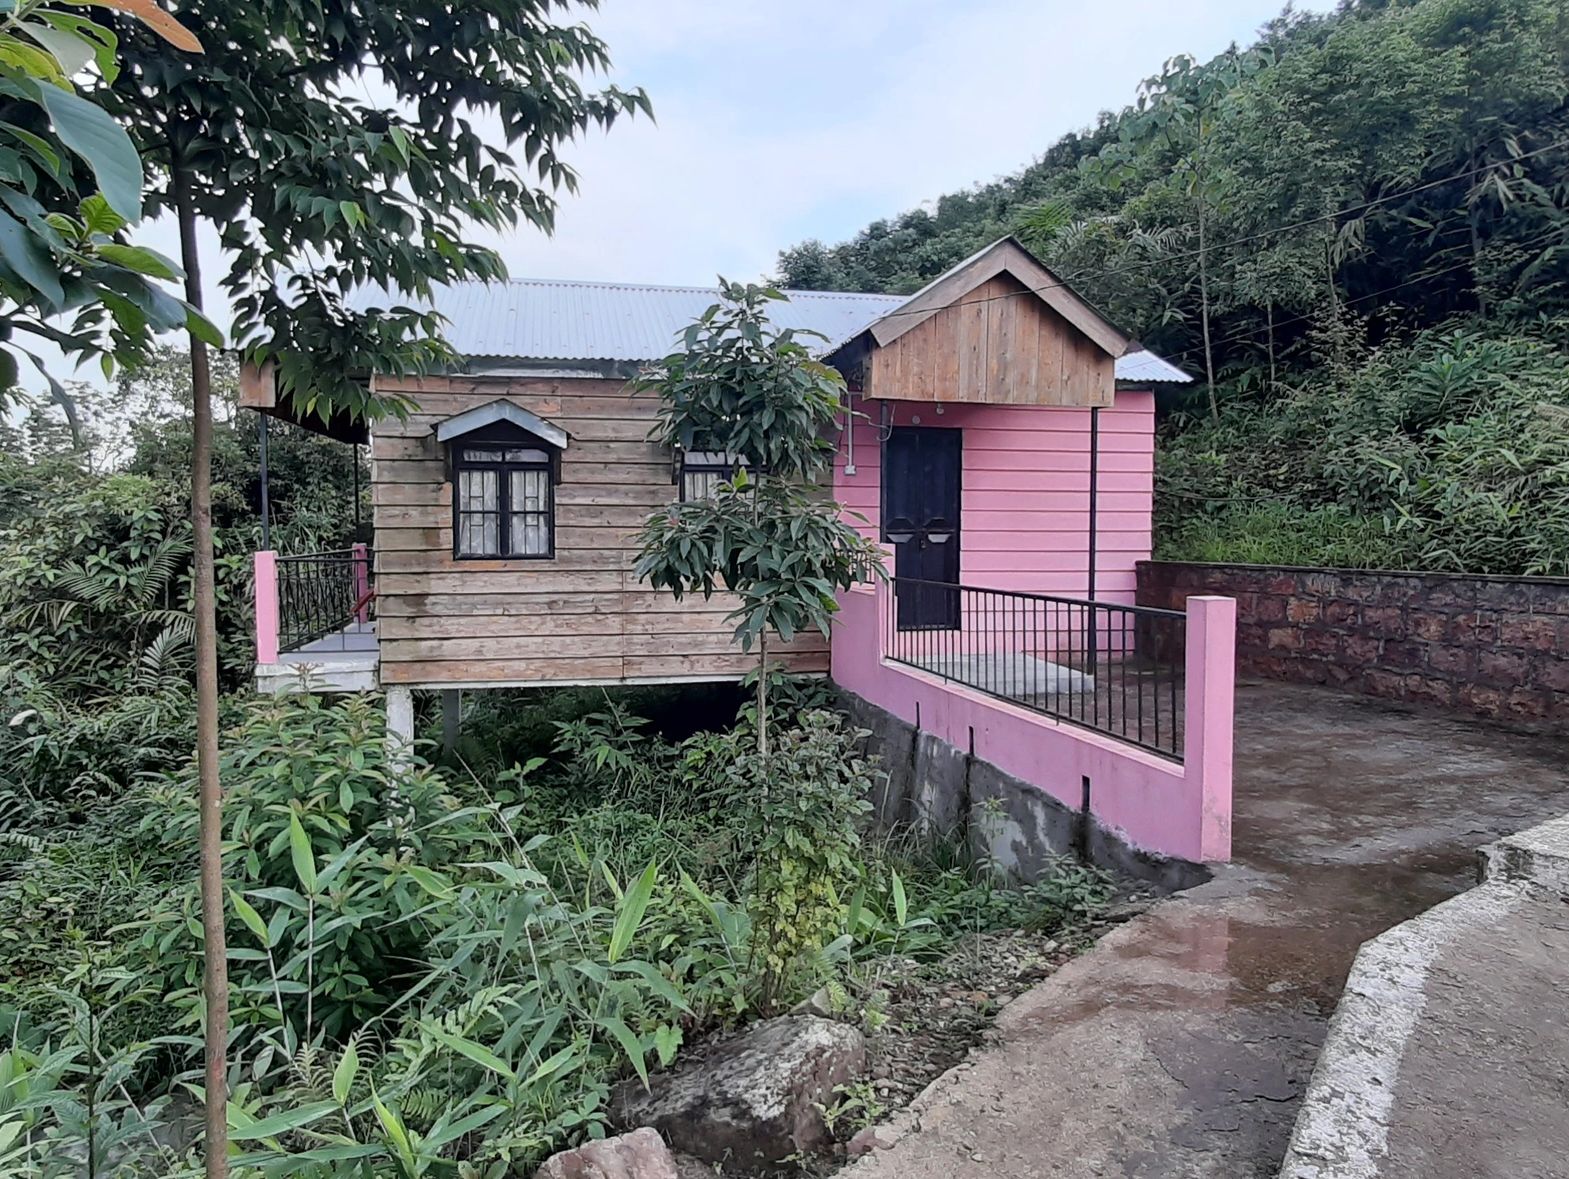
<point>1253,333</point>
<point>1252,237</point>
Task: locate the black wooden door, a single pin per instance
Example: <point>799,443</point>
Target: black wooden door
<point>921,520</point>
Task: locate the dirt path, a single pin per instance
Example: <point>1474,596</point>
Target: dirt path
<point>1180,1046</point>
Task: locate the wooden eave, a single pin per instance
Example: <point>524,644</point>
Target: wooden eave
<point>1008,256</point>
<point>259,391</point>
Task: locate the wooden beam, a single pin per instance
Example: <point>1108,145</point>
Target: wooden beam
<point>258,386</point>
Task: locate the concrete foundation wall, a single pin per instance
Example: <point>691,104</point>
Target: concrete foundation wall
<point>935,789</point>
<point>1163,806</point>
<point>1495,647</point>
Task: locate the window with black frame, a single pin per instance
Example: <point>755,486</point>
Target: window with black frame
<point>702,471</point>
<point>503,501</point>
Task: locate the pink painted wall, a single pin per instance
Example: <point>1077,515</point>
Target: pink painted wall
<point>1025,500</point>
<point>265,581</point>
<point>1180,810</point>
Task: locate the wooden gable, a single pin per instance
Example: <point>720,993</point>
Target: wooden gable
<point>999,329</point>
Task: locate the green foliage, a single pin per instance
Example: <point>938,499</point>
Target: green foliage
<point>744,388</point>
<point>95,580</point>
<point>331,854</point>
<point>318,184</point>
<point>1282,534</point>
<point>782,549</point>
<point>803,802</point>
<point>1448,452</point>
<point>70,184</point>
<point>431,973</point>
<point>856,1106</point>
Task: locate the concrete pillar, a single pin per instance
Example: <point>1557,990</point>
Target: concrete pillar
<point>1209,706</point>
<point>267,617</point>
<point>400,724</point>
<point>451,715</point>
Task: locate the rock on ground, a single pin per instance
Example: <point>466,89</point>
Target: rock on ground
<point>753,1100</point>
<point>642,1154</point>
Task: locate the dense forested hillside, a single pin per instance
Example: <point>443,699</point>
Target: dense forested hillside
<point>1355,233</point>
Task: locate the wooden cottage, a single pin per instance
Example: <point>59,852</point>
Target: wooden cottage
<point>1007,441</point>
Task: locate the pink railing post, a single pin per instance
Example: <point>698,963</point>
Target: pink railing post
<point>361,583</point>
<point>1210,705</point>
<point>266,607</point>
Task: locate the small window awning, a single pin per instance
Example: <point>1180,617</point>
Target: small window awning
<point>496,413</point>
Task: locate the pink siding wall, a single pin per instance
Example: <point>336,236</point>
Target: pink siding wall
<point>1025,503</point>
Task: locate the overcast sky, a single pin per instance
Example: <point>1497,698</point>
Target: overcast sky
<point>780,120</point>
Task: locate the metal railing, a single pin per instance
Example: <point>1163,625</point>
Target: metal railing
<point>1112,668</point>
<point>322,595</point>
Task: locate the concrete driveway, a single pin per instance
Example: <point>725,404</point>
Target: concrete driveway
<point>1180,1046</point>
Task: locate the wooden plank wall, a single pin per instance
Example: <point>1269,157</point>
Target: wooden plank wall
<point>579,618</point>
<point>998,345</point>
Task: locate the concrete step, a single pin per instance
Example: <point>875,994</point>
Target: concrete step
<point>1448,1056</point>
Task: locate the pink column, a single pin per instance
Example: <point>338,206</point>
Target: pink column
<point>361,583</point>
<point>266,607</point>
<point>1210,705</point>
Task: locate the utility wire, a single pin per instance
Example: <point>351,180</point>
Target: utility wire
<point>1423,277</point>
<point>1252,237</point>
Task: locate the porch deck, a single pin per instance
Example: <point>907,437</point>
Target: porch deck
<point>344,661</point>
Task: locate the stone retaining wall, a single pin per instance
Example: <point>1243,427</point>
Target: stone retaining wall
<point>1489,646</point>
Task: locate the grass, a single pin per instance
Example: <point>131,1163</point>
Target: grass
<point>1283,534</point>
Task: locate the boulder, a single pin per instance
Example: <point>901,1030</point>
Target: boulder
<point>752,1101</point>
<point>642,1154</point>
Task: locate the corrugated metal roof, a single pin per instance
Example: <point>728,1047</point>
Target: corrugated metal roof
<point>533,319</point>
<point>1145,366</point>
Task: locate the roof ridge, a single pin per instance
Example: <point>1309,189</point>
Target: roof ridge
<point>611,284</point>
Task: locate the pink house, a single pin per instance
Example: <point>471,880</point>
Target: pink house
<point>1001,444</point>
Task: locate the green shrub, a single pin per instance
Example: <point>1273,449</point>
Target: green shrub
<point>1448,451</point>
<point>1280,534</point>
<point>435,978</point>
<point>803,805</point>
<point>333,856</point>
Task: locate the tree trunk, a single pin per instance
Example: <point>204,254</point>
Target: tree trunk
<point>1334,299</point>
<point>1204,283</point>
<point>1269,312</point>
<point>1209,353</point>
<point>1473,215</point>
<point>215,966</point>
<point>762,694</point>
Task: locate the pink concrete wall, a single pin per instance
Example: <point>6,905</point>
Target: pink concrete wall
<point>1180,810</point>
<point>266,585</point>
<point>1025,500</point>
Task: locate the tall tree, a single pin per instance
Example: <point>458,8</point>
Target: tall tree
<point>313,191</point>
<point>1179,108</point>
<point>70,188</point>
<point>745,389</point>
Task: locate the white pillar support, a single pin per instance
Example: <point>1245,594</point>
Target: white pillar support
<point>400,724</point>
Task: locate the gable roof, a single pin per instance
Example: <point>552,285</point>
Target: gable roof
<point>1004,256</point>
<point>540,321</point>
<point>500,410</point>
<point>556,319</point>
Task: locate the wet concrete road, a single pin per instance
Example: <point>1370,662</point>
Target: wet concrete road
<point>1180,1046</point>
